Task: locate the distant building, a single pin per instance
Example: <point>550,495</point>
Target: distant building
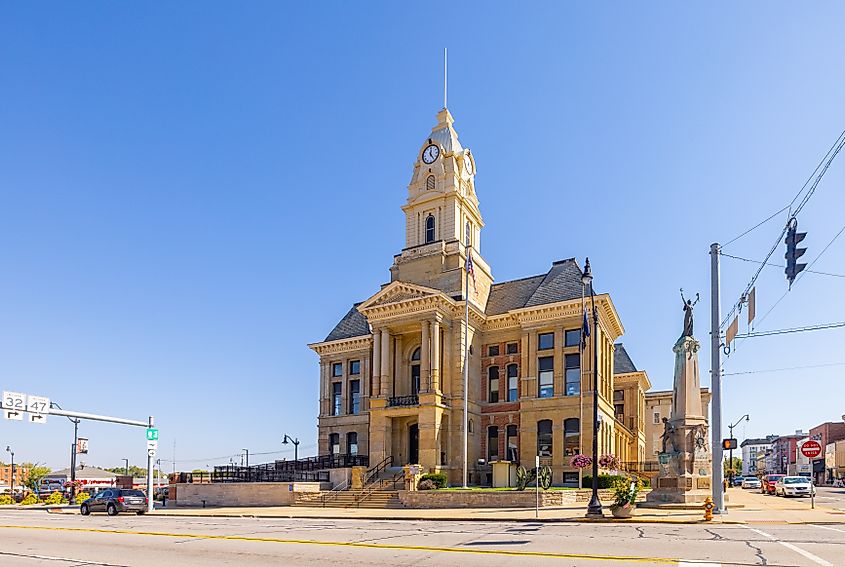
<point>659,405</point>
<point>90,477</point>
<point>21,474</point>
<point>825,434</point>
<point>751,448</point>
<point>784,452</point>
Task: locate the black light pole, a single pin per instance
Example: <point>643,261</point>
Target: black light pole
<point>75,422</point>
<point>731,452</point>
<point>594,508</point>
<point>295,446</point>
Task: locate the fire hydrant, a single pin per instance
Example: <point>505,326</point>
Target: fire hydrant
<point>708,509</point>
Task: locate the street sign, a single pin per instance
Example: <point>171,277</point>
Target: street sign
<point>13,415</point>
<point>152,434</point>
<point>151,452</point>
<point>152,445</point>
<point>14,401</point>
<point>38,404</point>
<point>37,418</point>
<point>82,446</point>
<point>811,449</point>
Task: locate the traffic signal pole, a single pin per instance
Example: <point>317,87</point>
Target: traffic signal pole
<point>717,487</point>
<point>150,455</point>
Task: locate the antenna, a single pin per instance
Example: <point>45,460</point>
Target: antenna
<point>445,73</point>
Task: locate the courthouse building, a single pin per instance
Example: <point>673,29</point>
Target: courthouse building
<point>391,370</point>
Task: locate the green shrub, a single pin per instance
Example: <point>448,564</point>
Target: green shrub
<point>439,479</point>
<point>426,484</point>
<point>55,498</point>
<point>82,497</point>
<point>6,499</point>
<point>30,500</point>
<point>605,480</point>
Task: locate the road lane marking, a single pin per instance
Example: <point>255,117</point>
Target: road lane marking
<point>829,528</point>
<point>795,548</point>
<point>429,549</point>
<point>65,559</point>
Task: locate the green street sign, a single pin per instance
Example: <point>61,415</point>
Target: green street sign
<point>152,434</point>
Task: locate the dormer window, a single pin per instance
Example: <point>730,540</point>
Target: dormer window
<point>429,183</point>
<point>429,229</point>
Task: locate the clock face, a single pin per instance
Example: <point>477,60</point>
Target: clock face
<point>468,164</point>
<point>430,153</point>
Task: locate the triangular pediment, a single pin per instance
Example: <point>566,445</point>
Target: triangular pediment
<point>398,292</point>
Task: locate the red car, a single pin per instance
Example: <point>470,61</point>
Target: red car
<point>769,481</point>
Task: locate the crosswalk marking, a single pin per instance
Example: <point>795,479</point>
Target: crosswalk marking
<point>795,548</point>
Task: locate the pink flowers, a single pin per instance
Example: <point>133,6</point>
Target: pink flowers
<point>609,462</point>
<point>580,461</point>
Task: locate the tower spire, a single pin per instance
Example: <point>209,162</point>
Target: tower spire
<point>445,73</point>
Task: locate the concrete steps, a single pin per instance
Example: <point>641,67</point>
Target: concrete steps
<point>378,499</point>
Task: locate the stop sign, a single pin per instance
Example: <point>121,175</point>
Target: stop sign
<point>811,449</point>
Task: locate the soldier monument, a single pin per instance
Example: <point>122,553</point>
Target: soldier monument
<point>684,460</point>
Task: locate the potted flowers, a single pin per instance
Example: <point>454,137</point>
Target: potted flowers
<point>580,461</point>
<point>625,491</point>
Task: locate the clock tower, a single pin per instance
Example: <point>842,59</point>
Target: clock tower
<point>442,218</point>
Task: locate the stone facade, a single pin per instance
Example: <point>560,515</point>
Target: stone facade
<point>392,370</point>
<point>657,406</point>
<point>239,493</point>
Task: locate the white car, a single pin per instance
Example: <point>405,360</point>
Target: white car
<point>794,486</point>
<point>751,482</point>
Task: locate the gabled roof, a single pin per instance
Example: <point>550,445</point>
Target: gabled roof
<point>561,283</point>
<point>84,472</point>
<point>622,363</point>
<point>353,324</point>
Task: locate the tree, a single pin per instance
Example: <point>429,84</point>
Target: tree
<point>734,467</point>
<point>36,473</point>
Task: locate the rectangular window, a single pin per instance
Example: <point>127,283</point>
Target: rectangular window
<point>337,370</point>
<point>570,479</point>
<point>619,410</point>
<point>618,396</point>
<point>513,382</point>
<point>352,443</point>
<point>546,373</point>
<point>544,438</point>
<point>415,379</point>
<point>334,444</point>
<point>493,350</point>
<point>492,443</point>
<point>512,443</point>
<point>573,374</point>
<point>512,348</point>
<point>354,366</point>
<point>354,396</point>
<point>656,418</point>
<point>571,436</point>
<point>336,403</point>
<point>493,384</point>
<point>572,338</point>
<point>545,341</point>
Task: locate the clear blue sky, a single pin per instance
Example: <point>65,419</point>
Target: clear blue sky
<point>191,192</point>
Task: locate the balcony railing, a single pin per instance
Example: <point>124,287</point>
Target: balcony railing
<point>403,401</point>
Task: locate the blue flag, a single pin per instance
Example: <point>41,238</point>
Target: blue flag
<point>585,330</point>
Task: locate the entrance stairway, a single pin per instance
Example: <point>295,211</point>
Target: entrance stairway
<point>368,498</point>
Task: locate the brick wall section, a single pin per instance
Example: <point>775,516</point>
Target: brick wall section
<point>240,493</point>
<point>503,413</point>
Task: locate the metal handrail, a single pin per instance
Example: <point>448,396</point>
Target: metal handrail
<point>386,463</point>
<point>334,492</point>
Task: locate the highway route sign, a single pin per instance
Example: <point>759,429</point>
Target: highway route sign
<point>37,418</point>
<point>38,404</point>
<point>14,401</point>
<point>152,434</point>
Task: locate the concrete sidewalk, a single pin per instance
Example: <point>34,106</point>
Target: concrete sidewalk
<point>749,508</point>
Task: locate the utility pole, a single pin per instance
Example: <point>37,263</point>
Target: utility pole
<point>150,454</point>
<point>12,469</point>
<point>126,467</point>
<point>731,452</point>
<point>717,486</point>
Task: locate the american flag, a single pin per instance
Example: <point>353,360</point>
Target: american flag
<point>585,327</point>
<point>470,270</point>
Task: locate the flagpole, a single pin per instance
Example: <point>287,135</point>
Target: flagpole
<point>466,367</point>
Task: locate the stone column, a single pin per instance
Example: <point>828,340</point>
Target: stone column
<point>376,378</point>
<point>435,356</point>
<point>425,359</point>
<point>385,364</point>
<point>324,388</point>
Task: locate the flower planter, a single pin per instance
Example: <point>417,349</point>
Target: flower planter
<point>622,511</point>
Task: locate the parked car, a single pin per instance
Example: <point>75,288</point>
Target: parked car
<point>768,486</point>
<point>115,500</point>
<point>794,486</point>
<point>751,482</point>
<point>738,480</point>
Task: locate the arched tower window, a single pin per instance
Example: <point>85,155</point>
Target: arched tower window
<point>429,183</point>
<point>415,372</point>
<point>429,229</point>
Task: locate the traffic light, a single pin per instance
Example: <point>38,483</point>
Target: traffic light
<point>728,444</point>
<point>793,238</point>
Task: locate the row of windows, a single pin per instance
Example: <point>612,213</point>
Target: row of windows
<point>571,338</point>
<point>545,376</point>
<point>351,443</point>
<point>354,397</point>
<point>571,440</point>
<point>354,368</point>
<point>510,348</point>
<point>493,383</point>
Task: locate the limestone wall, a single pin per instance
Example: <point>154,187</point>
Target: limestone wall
<point>484,499</point>
<point>239,493</point>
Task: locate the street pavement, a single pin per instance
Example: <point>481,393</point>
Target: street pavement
<point>34,537</point>
<point>831,497</point>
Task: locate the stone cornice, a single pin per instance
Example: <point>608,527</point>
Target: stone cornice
<point>351,344</point>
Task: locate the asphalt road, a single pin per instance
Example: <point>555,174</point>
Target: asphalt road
<point>29,538</point>
<point>830,497</point>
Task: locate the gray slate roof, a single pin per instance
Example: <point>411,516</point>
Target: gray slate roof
<point>561,283</point>
<point>84,472</point>
<point>622,363</point>
<point>353,324</point>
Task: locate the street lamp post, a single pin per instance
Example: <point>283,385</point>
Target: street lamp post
<point>295,442</point>
<point>75,422</point>
<point>731,451</point>
<point>12,481</point>
<point>594,508</point>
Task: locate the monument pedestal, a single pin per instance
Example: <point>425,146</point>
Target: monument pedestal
<point>685,463</point>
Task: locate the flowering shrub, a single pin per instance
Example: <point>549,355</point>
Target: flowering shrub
<point>55,498</point>
<point>6,499</point>
<point>580,461</point>
<point>82,497</point>
<point>625,491</point>
<point>77,484</point>
<point>29,500</point>
<point>609,462</point>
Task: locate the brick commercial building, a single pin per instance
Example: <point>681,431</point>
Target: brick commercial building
<point>784,453</point>
<point>826,433</point>
<point>751,448</point>
<point>21,474</point>
<point>391,371</point>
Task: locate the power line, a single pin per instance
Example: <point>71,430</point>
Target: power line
<point>769,264</point>
<point>784,369</point>
<point>756,226</point>
<point>819,327</point>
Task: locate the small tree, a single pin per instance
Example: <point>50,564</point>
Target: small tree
<point>36,474</point>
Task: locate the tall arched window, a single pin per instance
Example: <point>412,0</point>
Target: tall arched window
<point>571,436</point>
<point>544,437</point>
<point>493,384</point>
<point>429,229</point>
<point>415,372</point>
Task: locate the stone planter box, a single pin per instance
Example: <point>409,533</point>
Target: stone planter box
<point>485,499</point>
